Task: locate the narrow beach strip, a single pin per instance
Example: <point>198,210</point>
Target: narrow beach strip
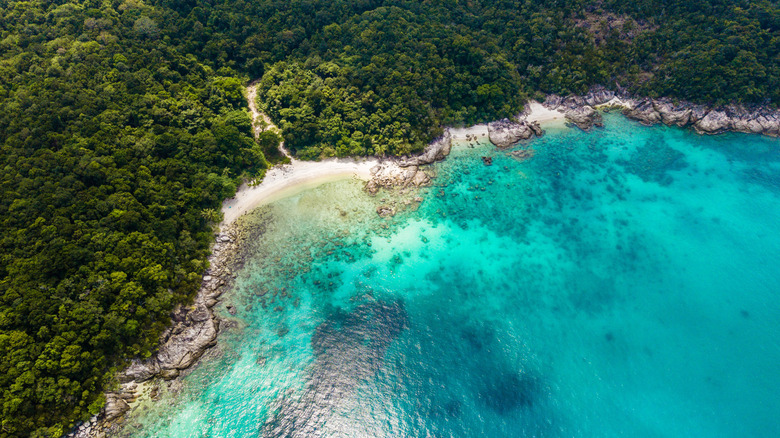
<point>289,179</point>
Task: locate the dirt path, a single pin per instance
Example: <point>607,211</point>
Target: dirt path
<point>260,121</point>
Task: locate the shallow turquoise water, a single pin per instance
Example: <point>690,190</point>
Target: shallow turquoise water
<point>622,282</point>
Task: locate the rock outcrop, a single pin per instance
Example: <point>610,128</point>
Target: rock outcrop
<point>644,112</point>
<point>436,151</point>
<point>703,118</point>
<point>505,133</point>
<point>714,122</point>
<point>584,117</point>
<point>409,171</point>
<point>580,110</point>
<point>390,174</point>
<point>385,210</point>
<point>194,330</point>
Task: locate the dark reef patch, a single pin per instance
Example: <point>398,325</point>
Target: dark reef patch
<point>349,348</point>
<point>654,160</point>
<point>510,391</point>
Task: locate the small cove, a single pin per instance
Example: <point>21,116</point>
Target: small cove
<point>620,282</point>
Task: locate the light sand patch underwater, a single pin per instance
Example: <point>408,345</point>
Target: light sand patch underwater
<point>620,282</point>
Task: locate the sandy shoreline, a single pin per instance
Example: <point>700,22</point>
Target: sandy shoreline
<point>286,180</point>
<point>194,334</point>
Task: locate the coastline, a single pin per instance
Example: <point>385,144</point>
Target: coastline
<point>704,119</point>
<point>285,180</point>
<point>288,179</point>
<point>195,328</point>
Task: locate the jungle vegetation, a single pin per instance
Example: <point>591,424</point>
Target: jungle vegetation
<point>123,125</point>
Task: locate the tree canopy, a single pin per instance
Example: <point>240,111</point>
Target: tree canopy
<point>123,125</point>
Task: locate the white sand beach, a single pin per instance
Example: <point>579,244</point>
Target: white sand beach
<point>538,113</point>
<point>286,180</point>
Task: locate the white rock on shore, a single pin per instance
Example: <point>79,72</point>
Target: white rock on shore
<point>704,119</point>
<point>505,133</point>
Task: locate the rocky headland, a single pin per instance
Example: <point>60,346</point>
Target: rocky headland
<point>705,119</point>
<point>194,329</point>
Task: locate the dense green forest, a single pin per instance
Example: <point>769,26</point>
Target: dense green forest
<point>376,77</point>
<point>123,125</point>
<point>114,144</point>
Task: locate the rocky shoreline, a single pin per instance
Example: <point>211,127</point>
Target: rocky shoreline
<point>414,171</point>
<point>408,171</point>
<point>705,119</point>
<point>195,327</point>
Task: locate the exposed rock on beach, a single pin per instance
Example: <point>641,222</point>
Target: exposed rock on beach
<point>505,133</point>
<point>705,119</point>
<point>407,171</point>
<point>436,151</point>
<point>194,330</point>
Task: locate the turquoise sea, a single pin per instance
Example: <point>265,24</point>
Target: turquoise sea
<point>622,282</point>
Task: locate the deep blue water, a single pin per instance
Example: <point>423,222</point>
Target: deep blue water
<point>622,282</point>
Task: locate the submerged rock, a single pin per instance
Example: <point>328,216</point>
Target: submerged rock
<point>385,210</point>
<point>511,391</point>
<point>349,349</point>
<point>522,154</point>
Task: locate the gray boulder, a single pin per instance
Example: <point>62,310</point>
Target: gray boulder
<point>140,371</point>
<point>770,124</point>
<point>115,407</point>
<point>436,151</point>
<point>599,96</point>
<point>714,122</point>
<point>504,133</point>
<point>182,349</point>
<point>671,114</point>
<point>644,112</point>
<point>698,112</point>
<point>584,117</point>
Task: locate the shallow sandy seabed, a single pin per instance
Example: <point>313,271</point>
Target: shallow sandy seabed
<point>288,179</point>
